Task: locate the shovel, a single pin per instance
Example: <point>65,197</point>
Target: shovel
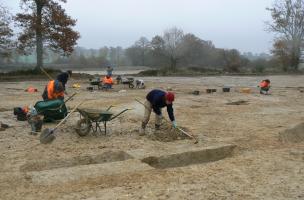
<point>47,135</point>
<point>181,130</point>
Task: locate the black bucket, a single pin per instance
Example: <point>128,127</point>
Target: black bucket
<point>196,92</point>
<point>210,90</point>
<point>226,89</point>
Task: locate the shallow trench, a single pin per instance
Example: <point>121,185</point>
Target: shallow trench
<point>161,162</point>
<point>109,156</point>
<point>189,158</point>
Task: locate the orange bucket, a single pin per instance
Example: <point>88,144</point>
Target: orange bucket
<point>245,90</point>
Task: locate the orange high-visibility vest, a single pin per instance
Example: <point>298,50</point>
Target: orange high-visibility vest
<point>52,93</point>
<point>107,80</point>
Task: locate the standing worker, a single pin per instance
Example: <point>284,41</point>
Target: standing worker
<point>109,71</point>
<point>53,90</point>
<point>264,86</point>
<point>156,100</point>
<point>64,77</point>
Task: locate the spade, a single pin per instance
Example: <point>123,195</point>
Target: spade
<point>47,135</point>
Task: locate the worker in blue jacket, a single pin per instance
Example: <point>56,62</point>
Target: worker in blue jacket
<point>156,100</point>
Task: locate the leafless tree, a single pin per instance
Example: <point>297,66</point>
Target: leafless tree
<point>288,23</point>
<point>173,38</point>
<point>6,33</point>
<point>144,45</point>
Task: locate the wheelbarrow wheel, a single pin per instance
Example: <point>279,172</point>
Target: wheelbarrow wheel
<point>131,85</point>
<point>83,128</point>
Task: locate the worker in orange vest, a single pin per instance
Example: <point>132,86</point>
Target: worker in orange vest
<point>107,82</point>
<point>53,90</point>
<point>264,86</point>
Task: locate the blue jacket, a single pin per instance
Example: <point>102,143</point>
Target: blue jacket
<point>63,78</point>
<point>158,100</point>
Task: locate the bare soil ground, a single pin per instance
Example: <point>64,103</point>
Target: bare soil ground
<point>266,161</point>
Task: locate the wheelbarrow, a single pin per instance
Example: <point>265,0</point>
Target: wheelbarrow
<point>96,82</point>
<point>90,119</point>
<point>128,81</point>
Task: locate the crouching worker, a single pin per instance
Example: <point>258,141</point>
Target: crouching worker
<point>107,82</point>
<point>63,78</point>
<point>156,100</point>
<point>264,86</point>
<point>53,90</point>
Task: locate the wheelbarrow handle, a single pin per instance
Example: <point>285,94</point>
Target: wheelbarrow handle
<point>111,106</point>
<point>120,113</point>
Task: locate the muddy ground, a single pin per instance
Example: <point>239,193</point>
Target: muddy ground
<point>241,152</point>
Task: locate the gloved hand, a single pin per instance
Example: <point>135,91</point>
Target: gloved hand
<point>174,124</point>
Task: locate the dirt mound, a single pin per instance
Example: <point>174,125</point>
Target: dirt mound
<point>168,134</point>
<point>294,134</point>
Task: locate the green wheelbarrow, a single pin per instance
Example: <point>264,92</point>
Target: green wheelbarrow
<point>90,119</point>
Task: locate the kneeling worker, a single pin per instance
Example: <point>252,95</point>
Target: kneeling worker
<point>107,82</point>
<point>53,90</point>
<point>264,86</point>
<point>156,100</point>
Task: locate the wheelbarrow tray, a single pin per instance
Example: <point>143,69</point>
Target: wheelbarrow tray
<point>88,117</point>
<point>52,110</point>
<point>95,114</point>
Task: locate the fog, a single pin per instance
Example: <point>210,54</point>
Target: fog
<point>230,24</point>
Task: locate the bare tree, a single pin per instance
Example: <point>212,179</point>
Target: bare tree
<point>288,23</point>
<point>281,51</point>
<point>232,60</point>
<point>158,51</point>
<point>172,40</point>
<point>45,22</point>
<point>143,44</point>
<point>6,33</point>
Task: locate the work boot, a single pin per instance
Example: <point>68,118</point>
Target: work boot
<point>157,131</point>
<point>142,129</point>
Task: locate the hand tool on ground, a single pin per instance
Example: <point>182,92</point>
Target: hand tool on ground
<point>47,135</point>
<point>181,130</point>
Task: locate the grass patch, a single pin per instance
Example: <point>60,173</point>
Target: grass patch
<point>193,71</point>
<point>30,72</point>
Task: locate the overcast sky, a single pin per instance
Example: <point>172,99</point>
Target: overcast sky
<point>235,24</point>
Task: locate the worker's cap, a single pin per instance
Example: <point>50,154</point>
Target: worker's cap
<point>170,96</point>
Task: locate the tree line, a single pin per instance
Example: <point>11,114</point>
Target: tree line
<point>47,34</point>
